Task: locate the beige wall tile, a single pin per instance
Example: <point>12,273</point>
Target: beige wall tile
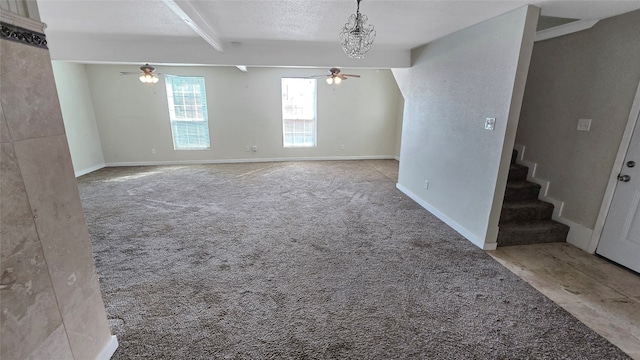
<point>53,194</point>
<point>29,311</point>
<point>55,347</point>
<point>4,130</point>
<point>87,327</point>
<point>28,92</point>
<point>15,213</point>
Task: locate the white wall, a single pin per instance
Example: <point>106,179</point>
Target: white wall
<point>79,117</point>
<point>592,74</point>
<point>456,83</point>
<point>244,109</point>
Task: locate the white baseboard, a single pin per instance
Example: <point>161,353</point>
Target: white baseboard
<point>397,158</point>
<point>89,170</point>
<point>579,235</point>
<point>447,220</point>
<point>109,349</point>
<point>229,161</point>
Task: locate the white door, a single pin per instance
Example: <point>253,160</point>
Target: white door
<point>620,240</point>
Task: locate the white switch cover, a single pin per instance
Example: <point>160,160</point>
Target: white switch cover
<point>490,124</point>
<point>584,124</point>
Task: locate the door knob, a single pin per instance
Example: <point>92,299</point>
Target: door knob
<point>631,163</point>
<point>624,178</point>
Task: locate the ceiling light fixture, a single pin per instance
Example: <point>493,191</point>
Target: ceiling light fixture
<point>356,37</point>
<point>147,76</point>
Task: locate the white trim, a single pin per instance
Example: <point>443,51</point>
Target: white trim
<point>397,158</point>
<point>109,349</point>
<point>565,29</point>
<point>89,170</point>
<point>558,205</point>
<point>615,170</point>
<point>447,220</point>
<point>24,22</point>
<point>579,235</point>
<point>227,161</point>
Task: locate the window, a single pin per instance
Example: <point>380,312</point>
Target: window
<point>298,112</point>
<point>188,112</point>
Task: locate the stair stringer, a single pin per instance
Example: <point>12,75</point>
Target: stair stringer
<point>579,235</point>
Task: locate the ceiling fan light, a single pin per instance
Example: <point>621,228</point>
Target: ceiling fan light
<point>142,78</point>
<point>337,80</point>
<point>155,79</point>
<point>330,80</point>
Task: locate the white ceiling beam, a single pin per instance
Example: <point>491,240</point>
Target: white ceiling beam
<point>192,17</point>
<point>565,29</point>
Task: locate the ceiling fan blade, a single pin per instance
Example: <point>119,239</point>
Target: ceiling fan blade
<point>351,75</point>
<point>130,72</point>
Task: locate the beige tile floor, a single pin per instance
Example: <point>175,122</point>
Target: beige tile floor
<point>600,294</point>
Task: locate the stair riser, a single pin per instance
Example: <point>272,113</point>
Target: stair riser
<point>523,214</point>
<point>509,238</point>
<point>519,174</point>
<point>529,193</point>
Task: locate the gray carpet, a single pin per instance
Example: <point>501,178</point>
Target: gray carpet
<point>305,260</point>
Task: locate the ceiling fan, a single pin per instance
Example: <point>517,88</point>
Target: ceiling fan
<point>147,76</point>
<point>335,77</point>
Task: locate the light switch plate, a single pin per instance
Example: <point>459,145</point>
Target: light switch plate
<point>490,124</point>
<point>584,124</point>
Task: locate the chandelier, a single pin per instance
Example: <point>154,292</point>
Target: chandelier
<point>356,37</point>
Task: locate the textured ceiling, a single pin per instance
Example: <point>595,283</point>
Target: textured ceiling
<point>107,31</point>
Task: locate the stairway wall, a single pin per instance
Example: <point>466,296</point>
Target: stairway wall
<point>454,84</point>
<point>591,74</point>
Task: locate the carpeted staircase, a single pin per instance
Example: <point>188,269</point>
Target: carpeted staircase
<point>525,219</point>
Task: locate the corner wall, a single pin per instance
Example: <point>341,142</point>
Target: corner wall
<point>79,116</point>
<point>51,304</point>
<point>455,83</point>
<point>592,74</point>
<point>244,110</point>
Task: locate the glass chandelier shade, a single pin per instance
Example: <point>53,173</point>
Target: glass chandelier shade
<point>148,78</point>
<point>356,36</point>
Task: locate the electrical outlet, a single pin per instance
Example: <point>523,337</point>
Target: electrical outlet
<point>342,147</point>
<point>247,148</point>
<point>255,148</point>
<point>153,151</point>
<point>426,184</point>
<point>584,125</point>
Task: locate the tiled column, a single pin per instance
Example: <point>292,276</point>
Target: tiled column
<point>50,300</point>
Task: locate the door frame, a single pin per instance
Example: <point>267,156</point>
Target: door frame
<point>613,178</point>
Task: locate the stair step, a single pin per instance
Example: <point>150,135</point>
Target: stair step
<point>514,211</point>
<point>532,232</point>
<point>517,172</point>
<point>521,190</point>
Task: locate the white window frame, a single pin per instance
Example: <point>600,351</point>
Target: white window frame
<point>197,124</point>
<point>306,118</point>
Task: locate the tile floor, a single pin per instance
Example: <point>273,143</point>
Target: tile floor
<point>602,295</point>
